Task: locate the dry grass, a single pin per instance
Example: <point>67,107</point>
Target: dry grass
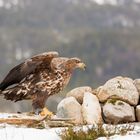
<point>95,132</point>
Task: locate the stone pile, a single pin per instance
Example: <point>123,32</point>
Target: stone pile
<point>117,101</point>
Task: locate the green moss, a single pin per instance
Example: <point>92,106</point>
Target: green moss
<point>112,101</point>
<point>95,132</point>
<point>120,103</point>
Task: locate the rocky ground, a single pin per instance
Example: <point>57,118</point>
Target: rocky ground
<point>115,102</point>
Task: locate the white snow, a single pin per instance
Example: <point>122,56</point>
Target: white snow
<point>128,137</point>
<point>12,133</point>
<point>131,135</point>
<point>117,137</point>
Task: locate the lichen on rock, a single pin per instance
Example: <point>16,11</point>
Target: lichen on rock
<point>121,88</point>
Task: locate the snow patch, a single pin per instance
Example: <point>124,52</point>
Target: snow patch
<point>12,133</point>
<point>8,132</point>
<point>118,137</point>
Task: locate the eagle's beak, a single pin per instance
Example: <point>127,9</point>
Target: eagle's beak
<point>82,66</point>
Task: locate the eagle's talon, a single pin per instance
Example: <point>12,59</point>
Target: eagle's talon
<point>46,112</point>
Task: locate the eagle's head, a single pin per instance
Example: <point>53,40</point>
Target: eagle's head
<point>68,64</point>
<point>71,64</point>
<point>74,63</point>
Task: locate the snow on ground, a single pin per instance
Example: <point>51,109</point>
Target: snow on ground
<point>12,133</point>
<point>128,137</point>
<point>8,132</point>
<point>132,135</point>
<point>117,137</point>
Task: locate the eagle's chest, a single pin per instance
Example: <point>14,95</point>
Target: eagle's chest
<point>52,83</point>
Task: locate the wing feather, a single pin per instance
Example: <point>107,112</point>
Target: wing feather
<point>30,66</point>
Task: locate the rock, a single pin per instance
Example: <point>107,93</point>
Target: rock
<point>119,88</point>
<point>78,93</point>
<point>91,109</point>
<point>138,113</point>
<point>137,84</point>
<point>70,108</point>
<point>116,111</point>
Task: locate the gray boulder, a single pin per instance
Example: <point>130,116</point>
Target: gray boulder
<point>78,93</point>
<point>91,109</point>
<point>116,111</point>
<point>70,108</point>
<point>137,84</point>
<point>138,113</point>
<point>121,88</point>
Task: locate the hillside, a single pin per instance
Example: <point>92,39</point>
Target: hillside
<point>97,31</point>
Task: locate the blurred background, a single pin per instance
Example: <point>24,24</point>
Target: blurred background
<point>105,34</point>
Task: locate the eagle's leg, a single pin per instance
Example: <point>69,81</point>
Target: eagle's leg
<point>39,106</point>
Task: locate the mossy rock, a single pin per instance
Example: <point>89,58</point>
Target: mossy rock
<point>112,101</point>
<point>115,101</point>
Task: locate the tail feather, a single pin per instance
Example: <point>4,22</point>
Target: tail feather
<point>3,86</point>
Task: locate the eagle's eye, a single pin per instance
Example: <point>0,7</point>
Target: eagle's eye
<point>78,61</point>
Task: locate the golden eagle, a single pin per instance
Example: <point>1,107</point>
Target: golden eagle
<point>39,77</point>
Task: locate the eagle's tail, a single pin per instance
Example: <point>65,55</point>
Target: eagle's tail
<point>2,86</point>
<point>13,94</point>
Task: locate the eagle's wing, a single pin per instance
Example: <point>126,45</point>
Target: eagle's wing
<point>19,72</point>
